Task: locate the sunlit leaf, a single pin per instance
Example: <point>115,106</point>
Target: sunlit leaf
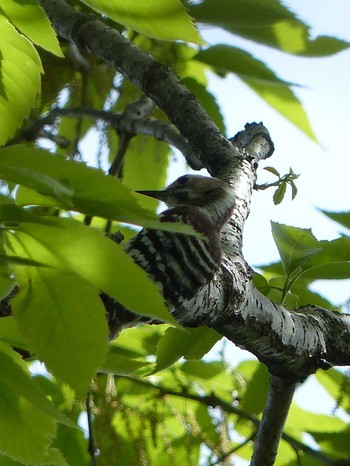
<point>62,320</point>
<point>121,364</point>
<point>70,246</point>
<point>75,186</point>
<point>165,20</point>
<point>188,343</point>
<point>20,78</point>
<point>30,19</point>
<point>337,385</point>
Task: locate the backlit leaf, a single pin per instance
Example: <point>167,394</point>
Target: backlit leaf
<point>30,19</point>
<point>269,23</point>
<point>260,79</point>
<point>165,20</point>
<point>20,78</point>
<point>70,246</point>
<point>62,320</point>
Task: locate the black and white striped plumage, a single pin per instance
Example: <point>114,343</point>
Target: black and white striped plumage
<point>181,264</point>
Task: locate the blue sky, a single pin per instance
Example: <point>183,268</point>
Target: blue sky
<point>325,168</point>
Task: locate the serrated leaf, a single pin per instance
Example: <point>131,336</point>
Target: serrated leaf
<point>32,22</point>
<point>20,78</point>
<point>160,20</point>
<point>188,343</point>
<point>68,245</point>
<point>62,320</point>
<point>260,79</point>
<point>270,23</point>
<point>278,195</point>
<point>295,245</point>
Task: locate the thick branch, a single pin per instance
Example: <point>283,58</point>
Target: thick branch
<point>156,80</point>
<point>290,343</point>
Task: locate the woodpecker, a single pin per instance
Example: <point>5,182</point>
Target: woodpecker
<point>181,264</point>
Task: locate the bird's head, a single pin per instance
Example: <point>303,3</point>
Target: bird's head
<point>214,197</point>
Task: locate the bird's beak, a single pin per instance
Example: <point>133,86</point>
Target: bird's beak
<point>160,195</point>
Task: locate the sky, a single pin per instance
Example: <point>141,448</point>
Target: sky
<point>324,168</point>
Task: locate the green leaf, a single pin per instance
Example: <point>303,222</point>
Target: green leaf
<point>295,245</point>
<point>118,363</point>
<point>305,421</point>
<point>9,333</point>
<point>146,167</point>
<point>273,171</point>
<point>15,374</point>
<point>72,247</point>
<point>76,186</point>
<point>337,385</point>
<point>189,343</point>
<point>343,218</point>
<point>12,215</point>
<point>269,23</point>
<point>278,195</point>
<point>25,430</point>
<point>140,341</point>
<point>20,78</point>
<point>294,189</point>
<point>63,322</point>
<point>30,19</point>
<point>332,261</point>
<point>160,20</point>
<point>254,400</point>
<point>260,79</point>
<point>4,258</point>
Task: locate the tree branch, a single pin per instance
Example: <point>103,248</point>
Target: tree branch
<point>279,399</point>
<point>132,124</point>
<point>216,402</point>
<point>156,80</point>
